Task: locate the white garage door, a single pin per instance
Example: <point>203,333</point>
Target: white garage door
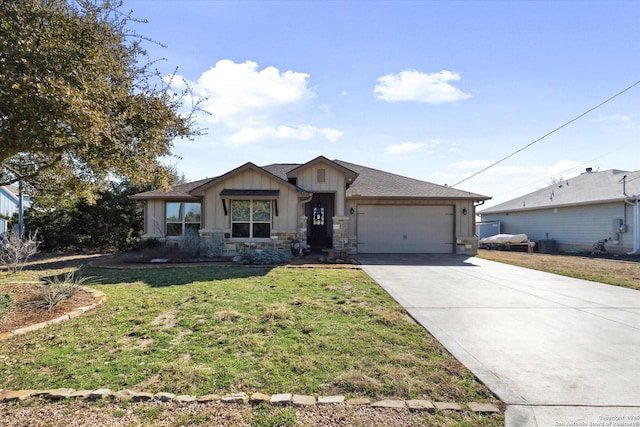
<point>405,229</point>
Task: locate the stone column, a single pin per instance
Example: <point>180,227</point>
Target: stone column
<point>341,233</point>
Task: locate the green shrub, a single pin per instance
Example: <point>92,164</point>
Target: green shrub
<point>6,302</point>
<point>267,256</point>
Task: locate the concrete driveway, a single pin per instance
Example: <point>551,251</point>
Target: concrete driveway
<point>559,351</point>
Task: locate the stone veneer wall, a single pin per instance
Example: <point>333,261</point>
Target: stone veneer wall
<point>279,240</point>
<point>341,239</point>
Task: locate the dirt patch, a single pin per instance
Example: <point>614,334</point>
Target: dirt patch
<point>22,315</point>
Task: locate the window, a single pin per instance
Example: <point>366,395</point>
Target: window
<point>251,218</point>
<point>182,216</point>
<point>318,215</point>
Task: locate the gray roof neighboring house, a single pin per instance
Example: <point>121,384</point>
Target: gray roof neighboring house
<point>586,189</point>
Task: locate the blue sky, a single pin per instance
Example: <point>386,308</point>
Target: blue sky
<point>431,90</point>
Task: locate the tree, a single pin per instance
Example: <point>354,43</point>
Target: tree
<point>80,102</point>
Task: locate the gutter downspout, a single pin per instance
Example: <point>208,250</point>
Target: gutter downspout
<point>636,223</point>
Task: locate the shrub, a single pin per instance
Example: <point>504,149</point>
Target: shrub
<point>190,243</point>
<point>212,247</point>
<point>15,252</point>
<point>58,289</point>
<point>6,302</point>
<point>267,256</point>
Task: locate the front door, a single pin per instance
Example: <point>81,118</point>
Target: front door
<point>320,212</point>
<point>318,231</point>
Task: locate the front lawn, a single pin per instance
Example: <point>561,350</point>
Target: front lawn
<point>202,330</point>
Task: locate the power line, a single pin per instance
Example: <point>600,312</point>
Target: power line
<point>549,133</point>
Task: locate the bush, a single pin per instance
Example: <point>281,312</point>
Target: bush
<point>58,289</point>
<point>6,302</point>
<point>212,247</point>
<point>267,256</point>
<point>15,252</point>
<point>190,243</point>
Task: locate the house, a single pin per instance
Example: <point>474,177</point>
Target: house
<point>9,202</point>
<point>323,203</point>
<point>575,214</point>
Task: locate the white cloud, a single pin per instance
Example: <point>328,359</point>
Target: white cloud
<point>406,147</point>
<point>246,104</point>
<point>471,164</point>
<point>416,86</point>
<point>300,133</point>
<point>239,95</point>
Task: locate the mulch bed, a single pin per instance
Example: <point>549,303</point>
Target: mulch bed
<point>22,315</point>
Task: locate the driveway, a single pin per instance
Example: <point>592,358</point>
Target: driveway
<point>559,351</point>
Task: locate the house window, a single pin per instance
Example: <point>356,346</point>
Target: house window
<point>182,216</point>
<point>251,218</point>
<point>321,175</point>
<point>318,215</point>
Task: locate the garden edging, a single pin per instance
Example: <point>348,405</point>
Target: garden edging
<point>281,399</point>
<point>98,298</point>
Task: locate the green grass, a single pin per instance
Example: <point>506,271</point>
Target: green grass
<point>225,329</point>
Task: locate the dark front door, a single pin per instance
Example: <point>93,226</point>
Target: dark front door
<point>318,230</point>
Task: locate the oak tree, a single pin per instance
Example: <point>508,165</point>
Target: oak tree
<point>80,101</point>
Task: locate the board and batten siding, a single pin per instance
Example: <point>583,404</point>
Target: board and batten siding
<point>213,210</point>
<point>154,223</point>
<point>574,227</point>
<point>334,182</point>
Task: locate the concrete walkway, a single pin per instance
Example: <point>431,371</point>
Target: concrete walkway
<point>559,351</point>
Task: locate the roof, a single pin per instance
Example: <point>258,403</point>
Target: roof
<point>368,183</point>
<point>180,191</point>
<point>11,191</point>
<point>585,189</point>
<point>377,183</point>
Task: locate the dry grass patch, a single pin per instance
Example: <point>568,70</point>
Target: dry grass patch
<point>619,273</point>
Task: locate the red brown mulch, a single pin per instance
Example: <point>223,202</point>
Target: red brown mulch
<point>22,315</point>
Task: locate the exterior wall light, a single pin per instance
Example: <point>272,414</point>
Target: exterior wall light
<point>464,211</point>
<point>352,211</point>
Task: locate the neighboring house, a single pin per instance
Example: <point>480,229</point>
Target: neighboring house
<point>9,201</point>
<point>325,204</point>
<point>576,213</point>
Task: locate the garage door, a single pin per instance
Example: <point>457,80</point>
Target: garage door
<point>405,229</point>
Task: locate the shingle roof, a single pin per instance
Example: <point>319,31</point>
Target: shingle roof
<point>178,192</point>
<point>369,183</point>
<point>376,183</point>
<point>588,188</point>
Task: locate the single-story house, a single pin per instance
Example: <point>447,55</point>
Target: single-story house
<point>327,204</point>
<point>576,213</point>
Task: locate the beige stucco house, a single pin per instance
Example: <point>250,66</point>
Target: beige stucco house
<point>323,203</point>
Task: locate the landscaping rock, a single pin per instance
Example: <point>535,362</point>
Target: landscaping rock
<point>164,397</point>
<point>59,393</point>
<point>99,394</point>
<point>141,396</point>
<point>260,398</point>
<point>483,408</point>
<point>82,394</point>
<point>18,395</point>
<point>389,403</point>
<point>122,395</point>
<point>303,400</point>
<point>330,400</point>
<point>420,405</point>
<point>447,406</point>
<point>358,402</point>
<point>209,398</point>
<point>281,399</point>
<point>234,398</point>
<point>185,398</point>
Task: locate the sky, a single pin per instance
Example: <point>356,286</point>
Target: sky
<point>431,90</point>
